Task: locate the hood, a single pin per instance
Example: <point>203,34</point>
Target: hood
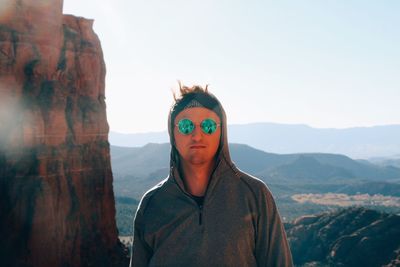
<point>222,156</point>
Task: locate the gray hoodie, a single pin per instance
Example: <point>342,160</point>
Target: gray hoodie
<point>237,225</point>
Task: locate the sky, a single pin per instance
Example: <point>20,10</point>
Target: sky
<point>326,64</point>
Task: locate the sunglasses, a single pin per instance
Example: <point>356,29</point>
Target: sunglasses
<point>208,126</point>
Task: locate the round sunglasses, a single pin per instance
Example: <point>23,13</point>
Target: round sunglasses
<point>208,126</point>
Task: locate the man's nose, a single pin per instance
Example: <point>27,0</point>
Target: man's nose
<point>197,134</point>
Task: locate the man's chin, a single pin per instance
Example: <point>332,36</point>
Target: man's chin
<point>198,160</point>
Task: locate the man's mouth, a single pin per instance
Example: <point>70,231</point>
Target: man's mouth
<point>197,146</point>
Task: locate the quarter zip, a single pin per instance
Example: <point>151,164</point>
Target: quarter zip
<point>200,214</point>
<point>179,182</point>
<point>199,206</point>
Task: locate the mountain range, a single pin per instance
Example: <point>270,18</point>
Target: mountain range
<point>142,161</point>
<point>136,169</point>
<point>357,143</point>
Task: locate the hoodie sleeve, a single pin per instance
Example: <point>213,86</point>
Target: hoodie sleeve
<point>272,248</point>
<point>141,252</point>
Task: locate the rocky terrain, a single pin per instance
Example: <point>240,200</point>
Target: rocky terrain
<point>56,196</point>
<point>348,237</point>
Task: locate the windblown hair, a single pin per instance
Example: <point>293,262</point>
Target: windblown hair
<point>185,90</point>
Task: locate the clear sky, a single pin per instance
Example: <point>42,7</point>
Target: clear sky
<point>327,64</point>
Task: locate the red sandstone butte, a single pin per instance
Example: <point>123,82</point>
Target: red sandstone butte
<point>56,196</point>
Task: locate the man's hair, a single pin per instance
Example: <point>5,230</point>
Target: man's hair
<point>195,96</point>
<point>185,90</point>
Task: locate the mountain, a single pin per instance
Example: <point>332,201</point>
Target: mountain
<point>348,237</point>
<point>138,169</point>
<point>393,161</point>
<point>140,162</point>
<point>358,142</point>
<point>137,139</point>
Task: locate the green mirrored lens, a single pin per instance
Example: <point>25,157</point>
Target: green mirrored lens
<point>185,126</point>
<point>208,126</point>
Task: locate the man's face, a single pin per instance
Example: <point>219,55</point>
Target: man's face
<point>197,148</point>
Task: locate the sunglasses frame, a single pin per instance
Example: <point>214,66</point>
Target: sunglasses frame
<point>200,124</point>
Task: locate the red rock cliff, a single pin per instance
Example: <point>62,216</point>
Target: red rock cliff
<point>56,196</point>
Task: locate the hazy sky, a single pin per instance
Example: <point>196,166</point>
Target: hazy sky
<point>326,64</point>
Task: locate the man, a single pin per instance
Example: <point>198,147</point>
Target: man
<point>206,212</point>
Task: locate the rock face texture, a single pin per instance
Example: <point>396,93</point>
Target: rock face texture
<point>349,237</point>
<point>56,196</point>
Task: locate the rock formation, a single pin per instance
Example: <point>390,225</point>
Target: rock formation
<point>56,196</point>
<point>348,237</point>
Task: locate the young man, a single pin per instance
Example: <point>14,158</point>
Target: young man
<point>206,212</point>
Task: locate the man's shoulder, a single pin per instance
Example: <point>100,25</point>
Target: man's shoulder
<point>157,188</point>
<point>152,192</point>
<point>254,184</point>
<point>258,191</point>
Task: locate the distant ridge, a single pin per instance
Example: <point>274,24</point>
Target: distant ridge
<point>357,142</point>
<point>140,162</point>
<point>136,139</point>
